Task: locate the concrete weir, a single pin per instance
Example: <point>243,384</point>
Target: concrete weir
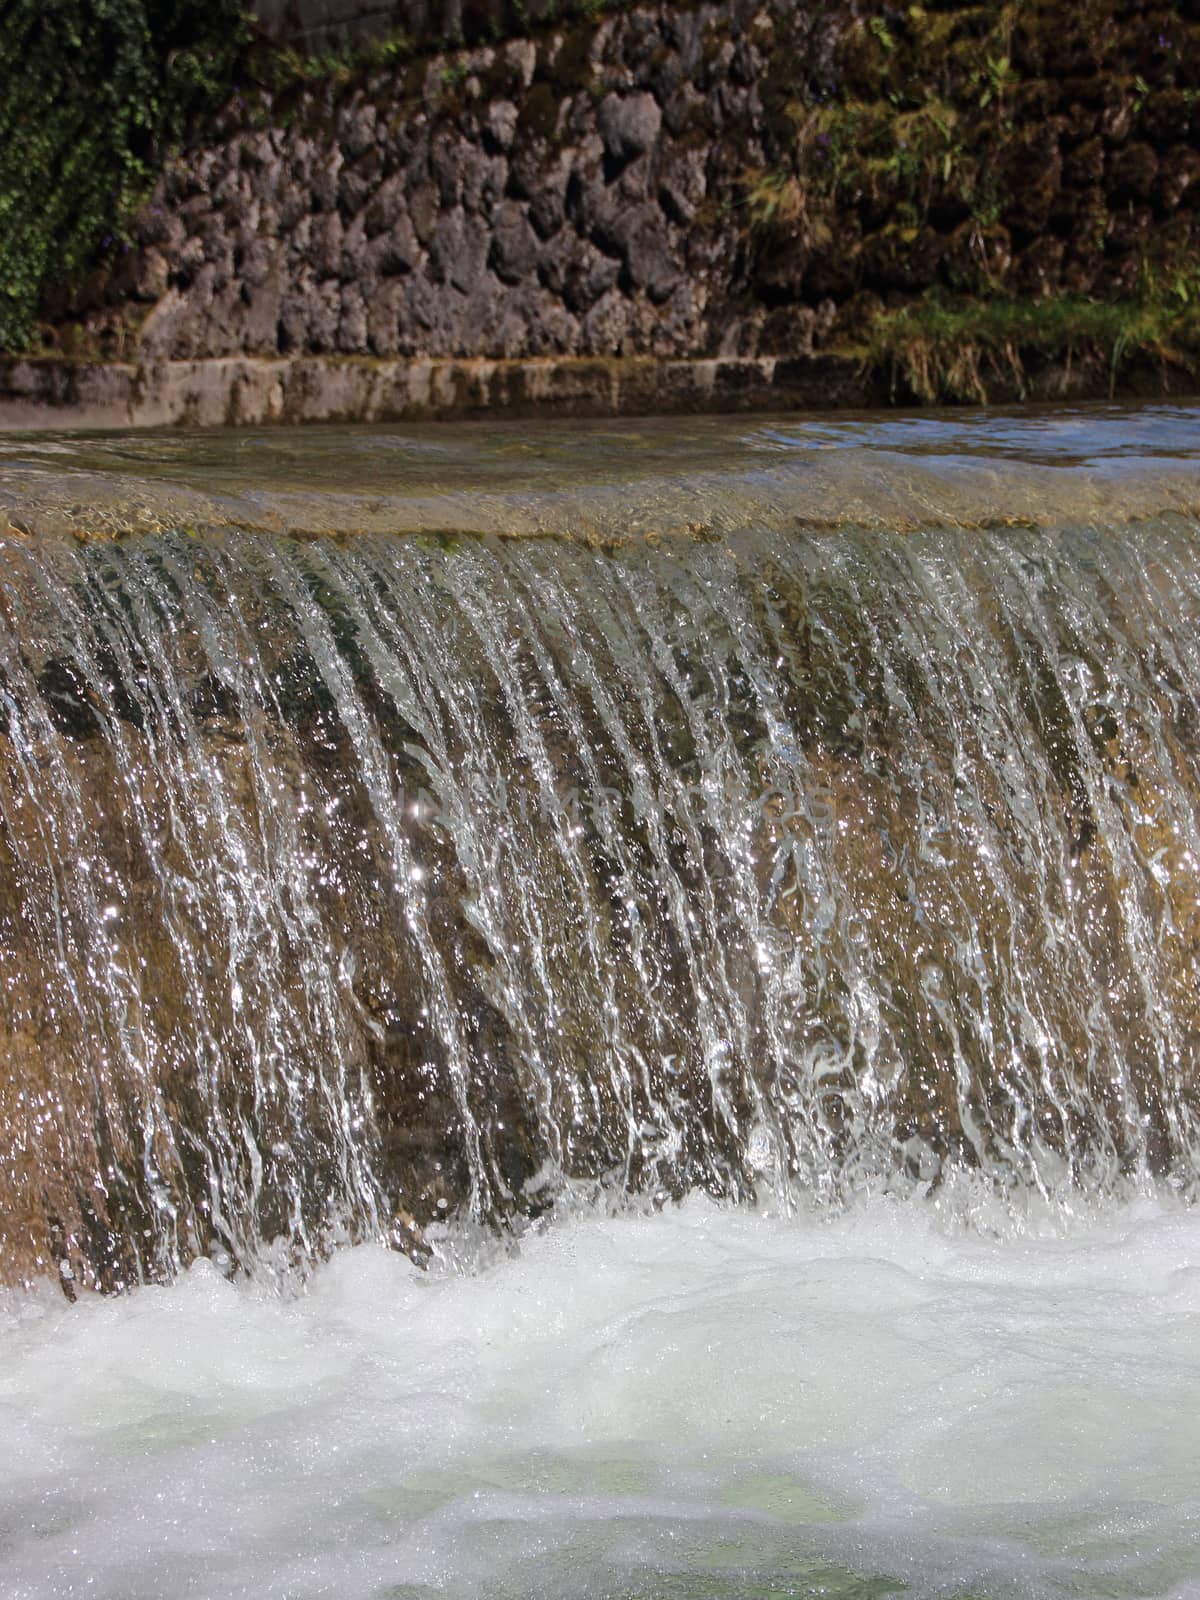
<point>225,391</point>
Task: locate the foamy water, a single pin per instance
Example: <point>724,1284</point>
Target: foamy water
<point>705,1402</point>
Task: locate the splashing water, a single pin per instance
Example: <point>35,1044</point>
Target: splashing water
<point>704,1404</point>
<point>820,837</point>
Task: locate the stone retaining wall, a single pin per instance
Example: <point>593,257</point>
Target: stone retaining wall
<point>656,183</point>
<point>571,196</point>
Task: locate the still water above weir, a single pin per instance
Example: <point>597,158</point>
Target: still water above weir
<point>452,839</point>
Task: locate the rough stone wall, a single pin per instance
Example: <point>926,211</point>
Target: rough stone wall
<point>654,182</point>
<point>574,194</point>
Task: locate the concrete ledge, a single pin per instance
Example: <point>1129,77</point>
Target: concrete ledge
<point>252,391</point>
<point>45,393</point>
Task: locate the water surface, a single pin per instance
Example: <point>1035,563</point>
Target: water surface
<point>619,1001</point>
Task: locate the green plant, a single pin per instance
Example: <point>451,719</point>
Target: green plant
<point>455,75</point>
<point>949,351</point>
<point>995,77</point>
<point>279,68</point>
<point>93,94</point>
<point>879,29</point>
<point>774,198</point>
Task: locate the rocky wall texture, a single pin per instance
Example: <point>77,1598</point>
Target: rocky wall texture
<point>737,180</point>
<point>575,195</point>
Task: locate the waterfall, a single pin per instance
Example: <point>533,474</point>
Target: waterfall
<point>350,886</point>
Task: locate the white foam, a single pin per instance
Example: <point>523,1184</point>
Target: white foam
<point>701,1403</point>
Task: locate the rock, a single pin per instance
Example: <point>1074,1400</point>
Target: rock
<point>587,200</point>
<point>396,251</point>
<point>553,330</point>
<point>509,320</point>
<point>150,276</point>
<point>292,326</point>
<point>293,207</point>
<point>634,183</point>
<point>606,326</point>
<point>352,262</point>
<point>257,327</point>
<point>357,183</point>
<point>579,274</point>
<point>356,129</point>
<point>500,125</point>
<point>423,212</point>
<point>683,184</point>
<point>1132,171</point>
<point>325,246</point>
<point>645,250</point>
<point>458,251</point>
<point>514,249</point>
<point>385,209</point>
<point>155,224</point>
<point>323,181</point>
<point>252,263</point>
<point>447,153</point>
<point>611,157</point>
<point>484,179</point>
<point>352,321</point>
<point>382,309</point>
<point>629,125</point>
<point>686,111</point>
<point>547,210</point>
<point>324,304</point>
<point>521,57</point>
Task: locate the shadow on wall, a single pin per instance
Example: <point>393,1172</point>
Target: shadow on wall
<point>320,23</point>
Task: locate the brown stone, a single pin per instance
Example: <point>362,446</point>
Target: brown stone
<point>1132,171</point>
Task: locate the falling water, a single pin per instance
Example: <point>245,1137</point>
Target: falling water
<point>467,839</point>
<point>352,885</point>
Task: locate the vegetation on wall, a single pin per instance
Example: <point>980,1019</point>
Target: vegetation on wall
<point>965,194</point>
<point>981,187</point>
<point>945,349</point>
<point>93,94</point>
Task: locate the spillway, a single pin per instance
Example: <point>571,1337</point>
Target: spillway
<point>735,886</point>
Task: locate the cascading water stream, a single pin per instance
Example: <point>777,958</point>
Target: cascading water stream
<point>723,902</point>
<point>350,886</point>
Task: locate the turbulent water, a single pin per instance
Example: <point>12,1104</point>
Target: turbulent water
<point>455,838</point>
<point>702,1405</point>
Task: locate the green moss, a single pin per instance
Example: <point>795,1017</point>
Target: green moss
<point>285,68</point>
